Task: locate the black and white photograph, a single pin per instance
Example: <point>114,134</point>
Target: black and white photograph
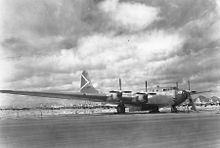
<point>109,73</point>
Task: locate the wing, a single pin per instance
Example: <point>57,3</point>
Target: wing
<point>87,92</point>
<point>74,96</point>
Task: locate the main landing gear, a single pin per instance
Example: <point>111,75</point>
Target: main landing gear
<point>121,108</point>
<point>155,109</point>
<point>150,107</point>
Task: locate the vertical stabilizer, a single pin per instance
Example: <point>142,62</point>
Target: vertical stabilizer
<point>86,85</point>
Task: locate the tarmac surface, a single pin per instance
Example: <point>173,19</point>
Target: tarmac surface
<point>163,130</point>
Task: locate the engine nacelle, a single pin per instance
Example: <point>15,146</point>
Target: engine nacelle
<point>115,95</point>
<point>142,97</point>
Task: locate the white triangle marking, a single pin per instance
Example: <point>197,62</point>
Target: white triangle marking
<point>87,81</point>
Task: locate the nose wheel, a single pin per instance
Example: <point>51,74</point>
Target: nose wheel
<point>121,108</point>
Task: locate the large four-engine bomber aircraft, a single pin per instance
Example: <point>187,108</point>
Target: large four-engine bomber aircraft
<point>151,101</point>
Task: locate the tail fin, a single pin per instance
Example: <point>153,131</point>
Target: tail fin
<point>86,85</point>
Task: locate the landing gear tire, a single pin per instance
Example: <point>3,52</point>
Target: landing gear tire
<point>173,109</point>
<point>155,110</point>
<point>121,109</point>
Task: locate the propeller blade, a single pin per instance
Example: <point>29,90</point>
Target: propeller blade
<point>177,87</point>
<point>188,85</point>
<point>199,92</point>
<point>146,86</point>
<point>191,102</point>
<point>126,91</point>
<point>119,84</point>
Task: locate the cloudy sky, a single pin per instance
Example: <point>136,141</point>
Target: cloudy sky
<point>45,44</point>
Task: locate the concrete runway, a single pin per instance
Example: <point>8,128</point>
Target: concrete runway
<point>166,130</point>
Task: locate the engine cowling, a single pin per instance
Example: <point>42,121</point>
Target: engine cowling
<point>115,95</point>
<point>142,97</point>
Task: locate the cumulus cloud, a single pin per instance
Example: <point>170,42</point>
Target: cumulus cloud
<point>6,69</point>
<point>114,54</point>
<point>127,56</point>
<point>131,16</point>
<point>216,23</point>
<point>141,48</point>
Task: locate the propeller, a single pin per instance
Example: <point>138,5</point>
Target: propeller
<point>120,88</point>
<point>189,97</point>
<point>120,92</point>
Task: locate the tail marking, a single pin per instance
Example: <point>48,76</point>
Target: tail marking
<point>86,85</point>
